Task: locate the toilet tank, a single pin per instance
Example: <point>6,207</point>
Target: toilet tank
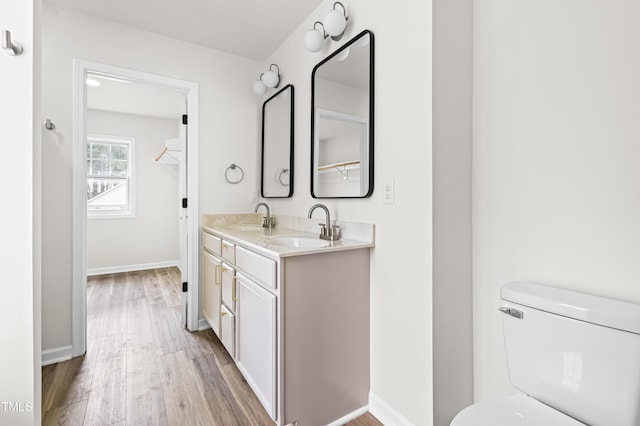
<point>575,352</point>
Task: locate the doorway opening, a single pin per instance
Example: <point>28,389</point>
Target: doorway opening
<point>107,177</point>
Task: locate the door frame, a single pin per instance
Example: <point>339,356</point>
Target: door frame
<point>79,217</point>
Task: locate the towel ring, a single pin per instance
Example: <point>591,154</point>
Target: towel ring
<point>280,177</point>
<point>233,167</point>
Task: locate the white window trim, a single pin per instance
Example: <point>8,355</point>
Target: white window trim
<point>114,214</point>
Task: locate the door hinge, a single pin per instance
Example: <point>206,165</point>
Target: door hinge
<point>185,287</point>
<point>185,119</point>
<point>184,203</point>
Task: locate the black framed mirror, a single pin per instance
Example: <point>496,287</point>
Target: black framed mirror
<point>276,180</point>
<point>342,121</point>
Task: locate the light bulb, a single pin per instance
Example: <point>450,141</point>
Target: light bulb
<point>334,22</point>
<point>313,40</point>
<point>259,87</point>
<point>270,78</point>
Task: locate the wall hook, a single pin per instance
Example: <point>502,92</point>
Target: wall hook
<point>13,48</point>
<point>49,125</point>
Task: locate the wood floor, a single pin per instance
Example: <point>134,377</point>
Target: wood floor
<point>143,368</point>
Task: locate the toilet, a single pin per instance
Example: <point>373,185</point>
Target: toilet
<point>575,357</point>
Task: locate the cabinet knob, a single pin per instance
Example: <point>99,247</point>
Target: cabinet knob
<point>222,313</point>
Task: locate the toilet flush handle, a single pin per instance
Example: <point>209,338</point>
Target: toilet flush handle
<point>513,312</point>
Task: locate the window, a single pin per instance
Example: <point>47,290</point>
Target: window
<point>109,176</point>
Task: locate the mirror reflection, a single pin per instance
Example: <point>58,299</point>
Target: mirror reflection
<point>277,145</point>
<point>342,122</point>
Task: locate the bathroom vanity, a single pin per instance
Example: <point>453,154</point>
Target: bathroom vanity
<point>293,312</point>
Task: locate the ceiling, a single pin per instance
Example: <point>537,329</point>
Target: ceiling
<point>250,28</point>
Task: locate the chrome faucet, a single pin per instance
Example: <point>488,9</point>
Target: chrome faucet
<point>327,231</point>
<point>267,221</point>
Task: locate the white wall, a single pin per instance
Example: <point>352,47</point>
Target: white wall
<point>152,236</point>
<point>20,377</point>
<point>227,131</point>
<point>401,271</point>
<point>556,149</point>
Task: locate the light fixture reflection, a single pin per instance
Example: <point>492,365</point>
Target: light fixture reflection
<point>343,55</point>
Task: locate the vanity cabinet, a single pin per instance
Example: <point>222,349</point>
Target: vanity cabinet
<point>297,325</point>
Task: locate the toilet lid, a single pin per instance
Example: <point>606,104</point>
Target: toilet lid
<point>515,410</point>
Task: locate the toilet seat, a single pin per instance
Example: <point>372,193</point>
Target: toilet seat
<point>515,410</point>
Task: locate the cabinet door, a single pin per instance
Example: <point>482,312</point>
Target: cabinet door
<point>211,290</point>
<point>229,294</point>
<point>256,340</point>
<point>228,330</point>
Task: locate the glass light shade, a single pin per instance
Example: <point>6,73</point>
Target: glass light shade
<point>313,40</point>
<point>259,87</point>
<point>334,22</point>
<point>270,78</point>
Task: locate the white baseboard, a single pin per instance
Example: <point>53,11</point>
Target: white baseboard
<point>130,268</point>
<point>203,324</point>
<point>385,413</point>
<point>351,416</point>
<point>55,355</point>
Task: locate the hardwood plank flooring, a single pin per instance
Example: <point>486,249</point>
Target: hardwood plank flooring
<point>143,368</point>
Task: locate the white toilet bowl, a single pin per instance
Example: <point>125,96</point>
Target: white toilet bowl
<point>515,410</point>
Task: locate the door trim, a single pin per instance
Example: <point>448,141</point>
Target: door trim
<point>79,216</point>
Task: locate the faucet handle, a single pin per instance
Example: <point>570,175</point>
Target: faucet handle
<point>268,222</point>
<point>334,232</point>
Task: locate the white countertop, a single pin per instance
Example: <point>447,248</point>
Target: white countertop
<point>246,230</point>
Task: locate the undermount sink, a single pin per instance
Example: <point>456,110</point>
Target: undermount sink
<point>298,242</point>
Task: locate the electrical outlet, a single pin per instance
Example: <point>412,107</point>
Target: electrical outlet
<point>388,192</point>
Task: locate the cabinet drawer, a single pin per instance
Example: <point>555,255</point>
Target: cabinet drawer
<point>211,243</point>
<point>228,251</point>
<point>260,268</point>
<point>229,286</point>
<point>228,330</point>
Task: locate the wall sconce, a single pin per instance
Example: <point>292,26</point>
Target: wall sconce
<point>333,25</point>
<point>268,79</point>
<point>314,39</point>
